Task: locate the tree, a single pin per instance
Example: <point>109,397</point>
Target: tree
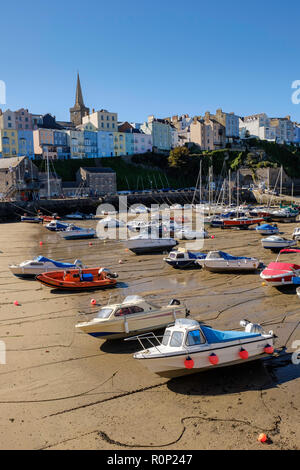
<point>179,158</point>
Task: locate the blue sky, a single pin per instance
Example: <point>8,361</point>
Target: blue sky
<point>159,57</point>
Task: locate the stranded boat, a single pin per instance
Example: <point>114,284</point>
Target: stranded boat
<point>56,226</point>
<point>143,244</point>
<point>134,314</point>
<point>219,261</point>
<point>40,264</point>
<point>79,279</point>
<point>281,274</point>
<point>267,229</point>
<point>240,222</point>
<point>77,233</point>
<point>31,219</point>
<point>189,347</point>
<point>183,259</point>
<point>275,243</point>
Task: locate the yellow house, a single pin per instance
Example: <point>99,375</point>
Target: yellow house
<point>119,143</point>
<point>9,142</point>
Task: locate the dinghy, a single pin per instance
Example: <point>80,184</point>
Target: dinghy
<point>188,347</point>
<point>281,274</point>
<point>276,243</point>
<point>76,233</point>
<point>134,314</point>
<point>267,229</point>
<point>219,261</point>
<point>79,279</point>
<point>40,264</point>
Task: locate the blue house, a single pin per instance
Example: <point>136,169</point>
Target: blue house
<point>25,143</point>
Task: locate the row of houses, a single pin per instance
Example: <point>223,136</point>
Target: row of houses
<point>99,133</point>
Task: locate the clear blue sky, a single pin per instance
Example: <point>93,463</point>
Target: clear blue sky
<point>159,57</point>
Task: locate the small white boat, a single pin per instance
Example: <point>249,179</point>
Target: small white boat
<point>142,243</point>
<point>188,347</point>
<point>267,229</point>
<point>219,261</point>
<point>39,265</point>
<point>56,226</point>
<point>296,234</point>
<point>274,242</point>
<point>134,314</point>
<point>187,234</point>
<point>76,233</point>
<point>184,259</point>
<point>31,219</point>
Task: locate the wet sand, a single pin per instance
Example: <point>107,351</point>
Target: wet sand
<point>62,389</point>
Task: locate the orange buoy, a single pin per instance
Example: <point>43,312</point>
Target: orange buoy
<point>243,354</point>
<point>268,349</point>
<point>93,302</point>
<point>41,243</point>
<point>213,359</point>
<point>212,236</point>
<point>262,437</point>
<point>189,363</point>
<point>16,303</point>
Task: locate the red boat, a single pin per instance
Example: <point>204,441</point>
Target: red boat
<point>79,279</point>
<point>242,222</point>
<point>281,274</point>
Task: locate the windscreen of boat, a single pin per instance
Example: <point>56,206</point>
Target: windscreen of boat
<point>176,339</point>
<point>166,338</point>
<point>104,313</point>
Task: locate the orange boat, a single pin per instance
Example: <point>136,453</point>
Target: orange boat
<point>79,279</point>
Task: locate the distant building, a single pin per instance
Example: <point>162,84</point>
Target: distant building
<point>79,110</point>
<point>136,141</point>
<point>207,133</point>
<point>105,144</point>
<point>231,123</point>
<point>103,120</point>
<point>280,130</point>
<point>18,179</point>
<point>9,145</point>
<point>97,180</point>
<point>161,132</point>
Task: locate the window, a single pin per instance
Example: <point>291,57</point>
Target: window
<point>194,337</point>
<point>122,311</point>
<point>104,313</point>
<point>136,309</point>
<point>166,338</point>
<point>176,339</point>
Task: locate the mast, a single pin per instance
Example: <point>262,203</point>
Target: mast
<point>238,191</point>
<point>281,174</point>
<point>48,173</point>
<point>229,188</point>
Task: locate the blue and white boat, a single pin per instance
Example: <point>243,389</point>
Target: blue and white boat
<point>219,261</point>
<point>39,265</point>
<point>56,226</point>
<point>77,233</point>
<point>267,229</point>
<point>184,259</point>
<point>188,347</point>
<point>276,243</point>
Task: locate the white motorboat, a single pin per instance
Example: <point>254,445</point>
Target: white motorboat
<point>56,226</point>
<point>219,261</point>
<point>267,229</point>
<point>296,234</point>
<point>188,347</point>
<point>184,259</point>
<point>134,314</point>
<point>76,233</point>
<point>274,242</point>
<point>142,243</point>
<point>39,265</point>
<point>188,234</point>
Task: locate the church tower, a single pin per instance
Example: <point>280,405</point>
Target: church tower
<point>78,110</point>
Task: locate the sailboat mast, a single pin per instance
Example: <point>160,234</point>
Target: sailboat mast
<point>48,174</point>
<point>229,187</point>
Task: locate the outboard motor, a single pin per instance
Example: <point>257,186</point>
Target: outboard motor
<point>77,262</point>
<point>251,327</point>
<point>174,302</point>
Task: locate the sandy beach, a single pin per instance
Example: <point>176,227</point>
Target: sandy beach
<point>62,389</point>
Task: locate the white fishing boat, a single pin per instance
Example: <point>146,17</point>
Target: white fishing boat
<point>296,234</point>
<point>219,261</point>
<point>267,229</point>
<point>188,347</point>
<point>76,233</point>
<point>274,242</point>
<point>143,243</point>
<point>39,265</point>
<point>184,259</point>
<point>134,314</point>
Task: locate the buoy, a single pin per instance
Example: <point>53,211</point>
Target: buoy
<point>268,349</point>
<point>126,249</point>
<point>189,363</point>
<point>93,302</point>
<point>213,359</point>
<point>16,302</point>
<point>212,236</point>
<point>262,437</point>
<point>263,284</point>
<point>41,243</point>
<point>90,244</point>
<point>120,261</point>
<point>243,354</point>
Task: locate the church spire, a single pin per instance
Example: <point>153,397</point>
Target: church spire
<point>79,110</point>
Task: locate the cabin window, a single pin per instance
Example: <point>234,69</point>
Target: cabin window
<point>176,339</point>
<point>180,256</point>
<point>136,309</point>
<point>104,313</point>
<point>194,337</point>
<point>166,338</point>
<point>122,311</point>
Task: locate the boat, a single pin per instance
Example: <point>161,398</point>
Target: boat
<point>287,214</point>
<point>134,314</point>
<point>281,274</point>
<point>31,219</point>
<point>219,261</point>
<point>142,243</point>
<point>79,279</point>
<point>187,234</point>
<point>184,259</point>
<point>56,226</point>
<point>188,347</point>
<point>241,222</point>
<point>49,218</point>
<point>76,233</point>
<point>79,216</point>
<point>40,264</point>
<point>296,234</point>
<point>111,222</point>
<point>267,229</point>
<point>275,243</point>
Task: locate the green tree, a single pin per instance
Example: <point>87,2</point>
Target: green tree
<point>179,158</point>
